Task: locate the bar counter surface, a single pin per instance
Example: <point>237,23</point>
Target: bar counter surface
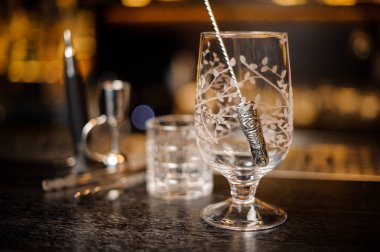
<point>322,216</point>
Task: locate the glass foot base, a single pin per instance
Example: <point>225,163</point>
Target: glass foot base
<point>257,215</point>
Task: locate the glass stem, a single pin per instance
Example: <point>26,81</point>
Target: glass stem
<point>243,193</point>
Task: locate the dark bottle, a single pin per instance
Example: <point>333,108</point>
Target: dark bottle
<point>75,93</point>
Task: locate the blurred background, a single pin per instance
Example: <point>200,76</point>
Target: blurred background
<point>153,44</point>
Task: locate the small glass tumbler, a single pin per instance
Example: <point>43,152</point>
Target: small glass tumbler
<point>175,169</point>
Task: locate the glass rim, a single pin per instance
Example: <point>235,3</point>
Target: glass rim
<point>114,84</point>
<point>184,121</point>
<point>247,34</point>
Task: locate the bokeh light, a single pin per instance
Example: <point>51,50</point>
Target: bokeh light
<point>140,115</point>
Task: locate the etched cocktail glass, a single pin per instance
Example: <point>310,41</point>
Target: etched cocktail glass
<point>257,74</point>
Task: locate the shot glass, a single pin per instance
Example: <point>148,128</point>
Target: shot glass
<point>175,169</point>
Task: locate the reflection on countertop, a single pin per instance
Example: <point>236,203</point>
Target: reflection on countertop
<point>313,154</point>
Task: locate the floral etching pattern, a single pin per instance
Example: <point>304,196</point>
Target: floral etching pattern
<point>217,99</point>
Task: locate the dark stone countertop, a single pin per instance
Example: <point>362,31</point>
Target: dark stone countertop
<point>322,216</point>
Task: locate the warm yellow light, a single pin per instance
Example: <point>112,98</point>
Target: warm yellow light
<point>289,2</point>
<point>85,47</point>
<point>16,71</point>
<point>185,98</point>
<point>369,107</point>
<point>3,63</point>
<point>66,3</point>
<point>340,2</point>
<point>325,92</point>
<point>170,0</point>
<point>19,25</point>
<point>305,108</point>
<point>135,3</point>
<point>4,43</point>
<point>53,71</point>
<point>19,49</point>
<point>32,71</point>
<point>347,100</point>
<point>85,67</point>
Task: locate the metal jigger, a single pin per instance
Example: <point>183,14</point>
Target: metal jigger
<point>114,100</point>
